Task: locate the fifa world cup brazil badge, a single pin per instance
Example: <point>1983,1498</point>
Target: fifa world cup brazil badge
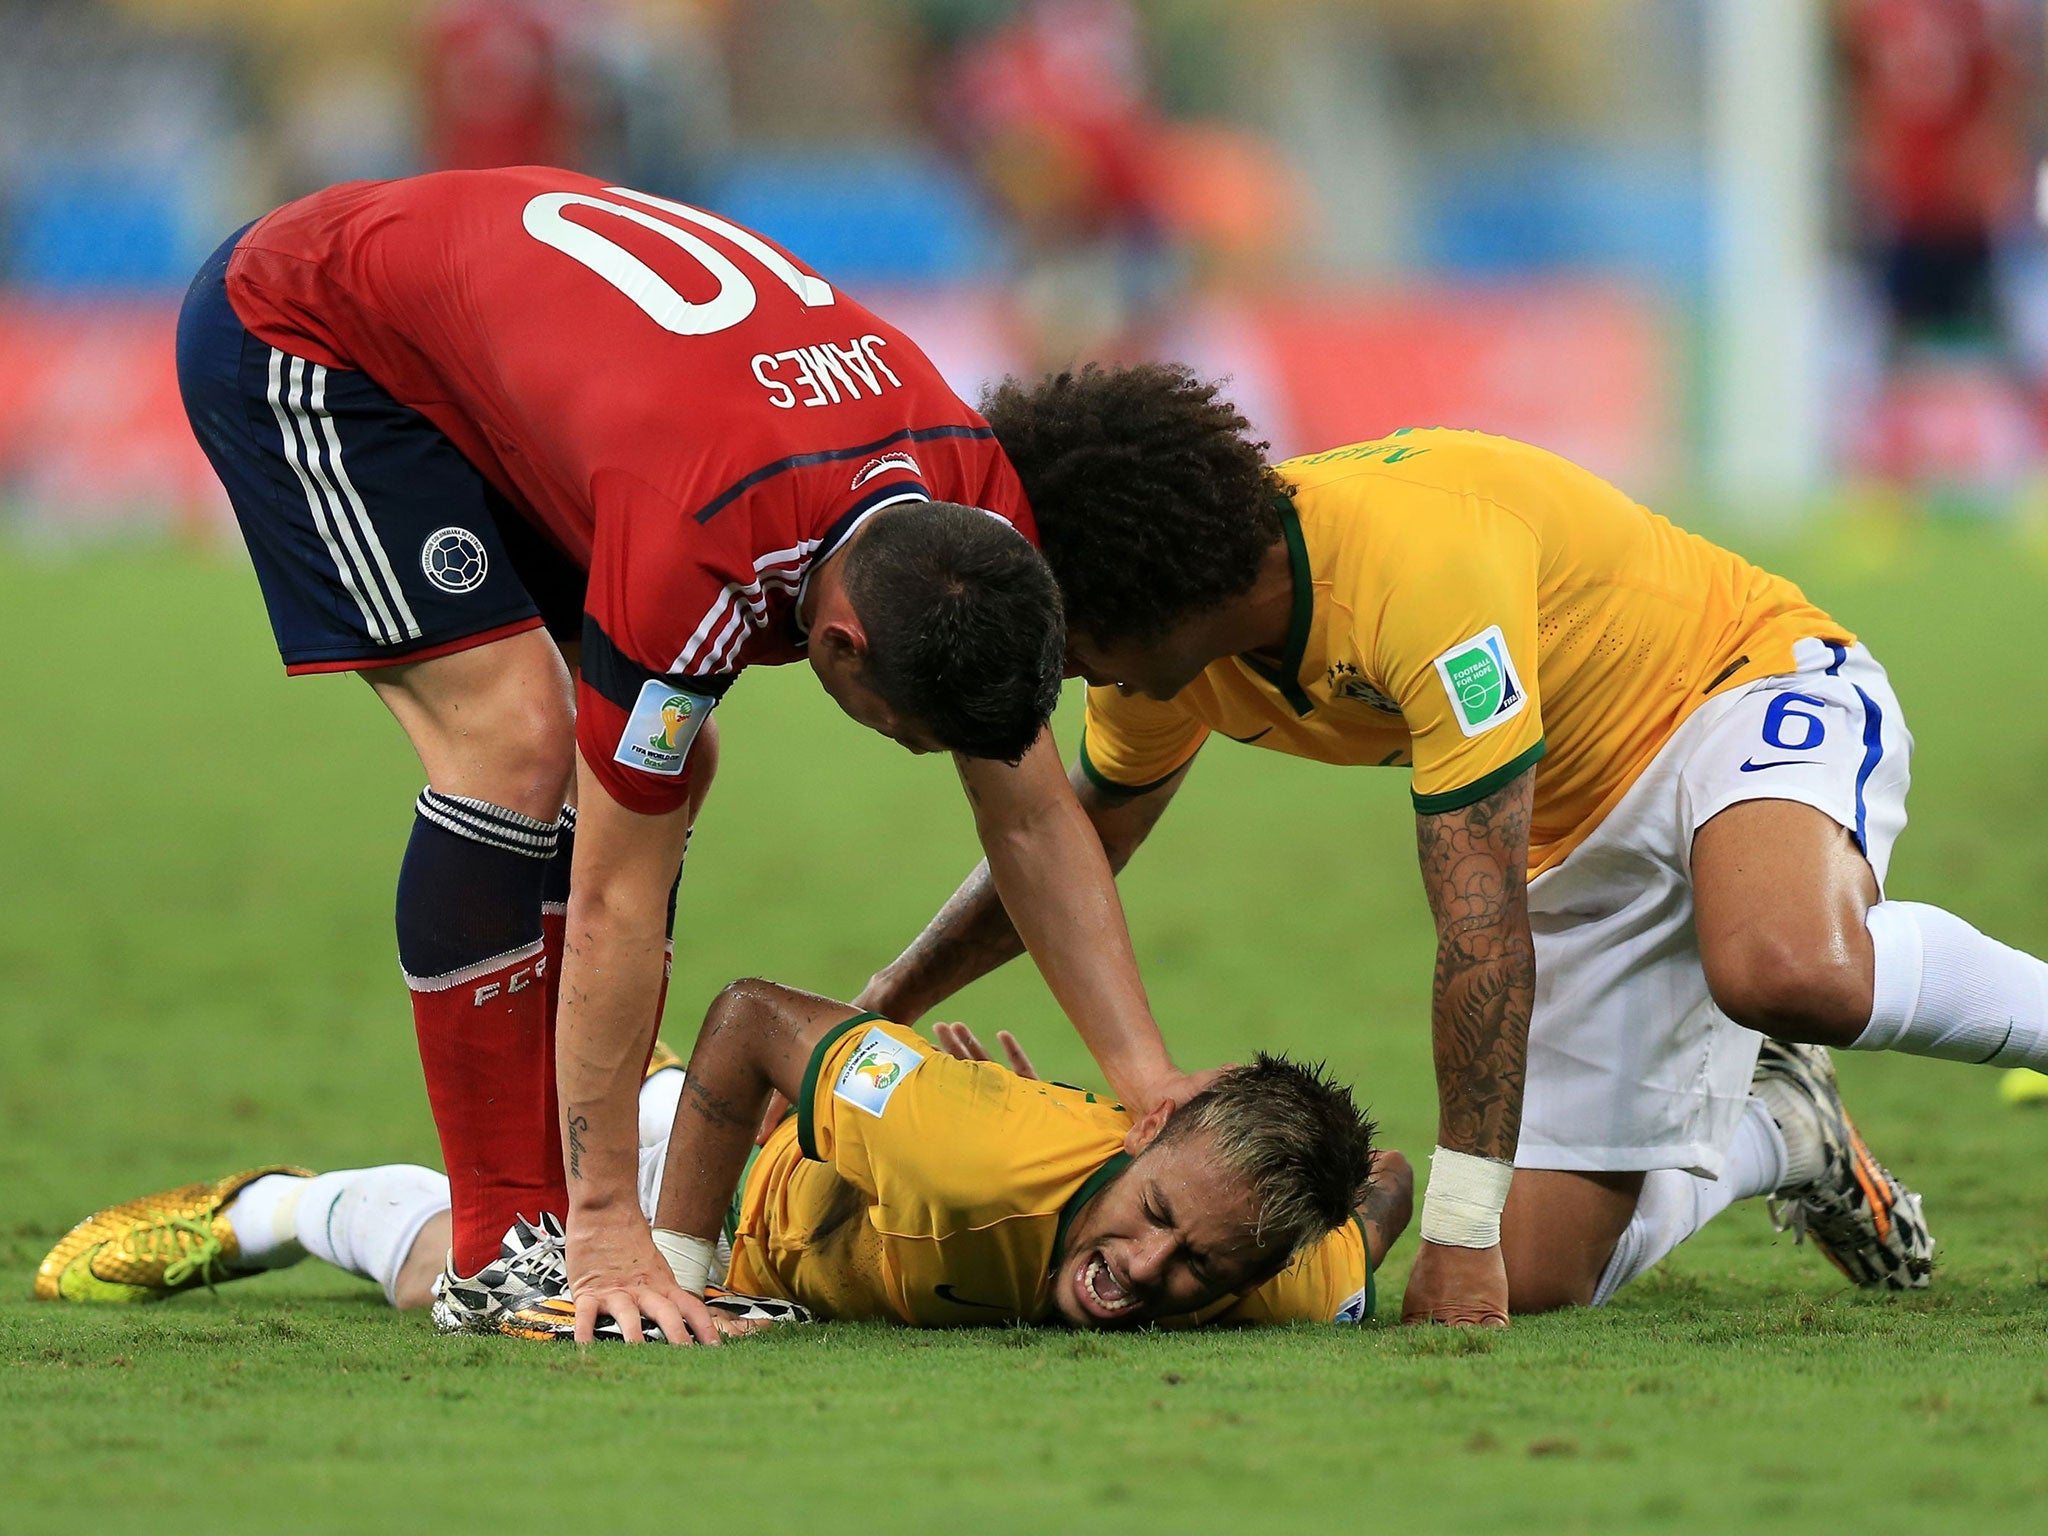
<point>875,1071</point>
<point>1479,675</point>
<point>664,721</point>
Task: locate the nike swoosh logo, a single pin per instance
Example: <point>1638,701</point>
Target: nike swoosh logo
<point>1783,762</point>
<point>1248,740</point>
<point>945,1293</point>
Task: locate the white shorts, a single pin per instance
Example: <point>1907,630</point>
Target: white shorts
<point>1631,1066</point>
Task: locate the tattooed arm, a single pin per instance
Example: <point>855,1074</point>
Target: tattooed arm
<point>1475,864</point>
<point>757,1038</point>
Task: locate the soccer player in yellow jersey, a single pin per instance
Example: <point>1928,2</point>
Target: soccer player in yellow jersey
<point>1656,792</point>
<point>912,1185</point>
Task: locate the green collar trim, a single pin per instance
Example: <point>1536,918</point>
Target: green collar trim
<point>1287,676</point>
<point>806,1126</point>
<point>1092,1186</point>
<point>1372,1295</point>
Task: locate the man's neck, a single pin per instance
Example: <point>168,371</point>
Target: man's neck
<point>1260,622</point>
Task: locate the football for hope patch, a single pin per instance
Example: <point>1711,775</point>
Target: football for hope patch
<point>875,1071</point>
<point>1479,675</point>
<point>664,721</point>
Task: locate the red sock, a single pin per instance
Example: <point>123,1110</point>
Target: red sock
<point>554,928</point>
<point>483,1036</point>
<point>469,940</point>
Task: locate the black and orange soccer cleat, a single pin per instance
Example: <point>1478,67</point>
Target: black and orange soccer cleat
<point>1862,1219</point>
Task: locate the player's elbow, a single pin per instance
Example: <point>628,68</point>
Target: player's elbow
<point>743,1005</point>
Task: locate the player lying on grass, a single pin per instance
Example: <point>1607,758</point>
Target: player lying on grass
<point>910,1186</point>
<point>1656,794</point>
<point>938,1190</point>
<point>486,452</point>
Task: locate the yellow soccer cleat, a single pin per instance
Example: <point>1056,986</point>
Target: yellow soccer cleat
<point>147,1249</point>
<point>663,1058</point>
<point>2023,1085</point>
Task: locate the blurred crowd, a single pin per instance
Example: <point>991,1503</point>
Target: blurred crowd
<point>1103,174</point>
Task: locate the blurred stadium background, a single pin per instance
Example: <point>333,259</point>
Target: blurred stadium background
<point>1759,261</point>
<point>1735,254</point>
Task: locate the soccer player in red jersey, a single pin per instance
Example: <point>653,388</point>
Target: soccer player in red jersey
<point>550,462</point>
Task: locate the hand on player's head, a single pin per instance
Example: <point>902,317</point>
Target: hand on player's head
<point>1221,1193</point>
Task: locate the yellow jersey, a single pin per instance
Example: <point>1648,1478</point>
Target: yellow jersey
<point>912,1187</point>
<point>1465,605</point>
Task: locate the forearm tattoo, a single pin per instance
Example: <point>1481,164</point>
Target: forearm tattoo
<point>578,1124</point>
<point>719,1109</point>
<point>1475,865</point>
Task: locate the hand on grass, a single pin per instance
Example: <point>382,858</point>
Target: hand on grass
<point>1465,1287</point>
<point>615,1271</point>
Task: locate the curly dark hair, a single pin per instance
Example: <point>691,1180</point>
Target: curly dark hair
<point>1153,499</point>
<point>963,625</point>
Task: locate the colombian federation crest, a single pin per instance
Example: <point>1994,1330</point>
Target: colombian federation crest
<point>875,1071</point>
<point>1479,675</point>
<point>664,721</point>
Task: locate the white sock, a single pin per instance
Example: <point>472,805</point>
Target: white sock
<point>658,1096</point>
<point>364,1220</point>
<point>1798,1125</point>
<point>261,1218</point>
<point>1675,1204</point>
<point>1944,989</point>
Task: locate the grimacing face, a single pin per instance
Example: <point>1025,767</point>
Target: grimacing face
<point>1171,1234</point>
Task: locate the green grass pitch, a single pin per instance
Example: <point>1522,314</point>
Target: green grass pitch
<point>196,862</point>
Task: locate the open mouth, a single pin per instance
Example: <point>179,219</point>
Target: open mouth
<point>1096,1287</point>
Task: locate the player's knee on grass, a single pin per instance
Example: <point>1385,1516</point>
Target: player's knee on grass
<point>1558,1234</point>
<point>1814,989</point>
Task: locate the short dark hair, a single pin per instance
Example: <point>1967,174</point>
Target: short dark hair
<point>1153,499</point>
<point>1295,1133</point>
<point>964,626</point>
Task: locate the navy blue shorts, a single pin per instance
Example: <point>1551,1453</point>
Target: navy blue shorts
<point>375,541</point>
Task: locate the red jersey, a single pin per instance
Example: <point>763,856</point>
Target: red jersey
<point>690,413</point>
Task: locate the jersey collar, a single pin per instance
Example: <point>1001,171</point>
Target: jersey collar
<point>1091,1186</point>
<point>1286,677</point>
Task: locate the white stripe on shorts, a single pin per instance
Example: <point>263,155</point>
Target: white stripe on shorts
<point>314,500</point>
<point>317,401</point>
<point>344,525</point>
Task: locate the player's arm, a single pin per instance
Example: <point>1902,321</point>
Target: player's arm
<point>757,1038</point>
<point>1475,862</point>
<point>973,935</point>
<point>1047,865</point>
<point>625,865</point>
<point>1389,1203</point>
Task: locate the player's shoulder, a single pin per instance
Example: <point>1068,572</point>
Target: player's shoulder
<point>1436,486</point>
<point>1448,458</point>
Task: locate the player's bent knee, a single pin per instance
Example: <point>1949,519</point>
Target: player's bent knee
<point>1811,993</point>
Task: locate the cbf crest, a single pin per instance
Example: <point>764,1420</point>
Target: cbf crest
<point>1347,682</point>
